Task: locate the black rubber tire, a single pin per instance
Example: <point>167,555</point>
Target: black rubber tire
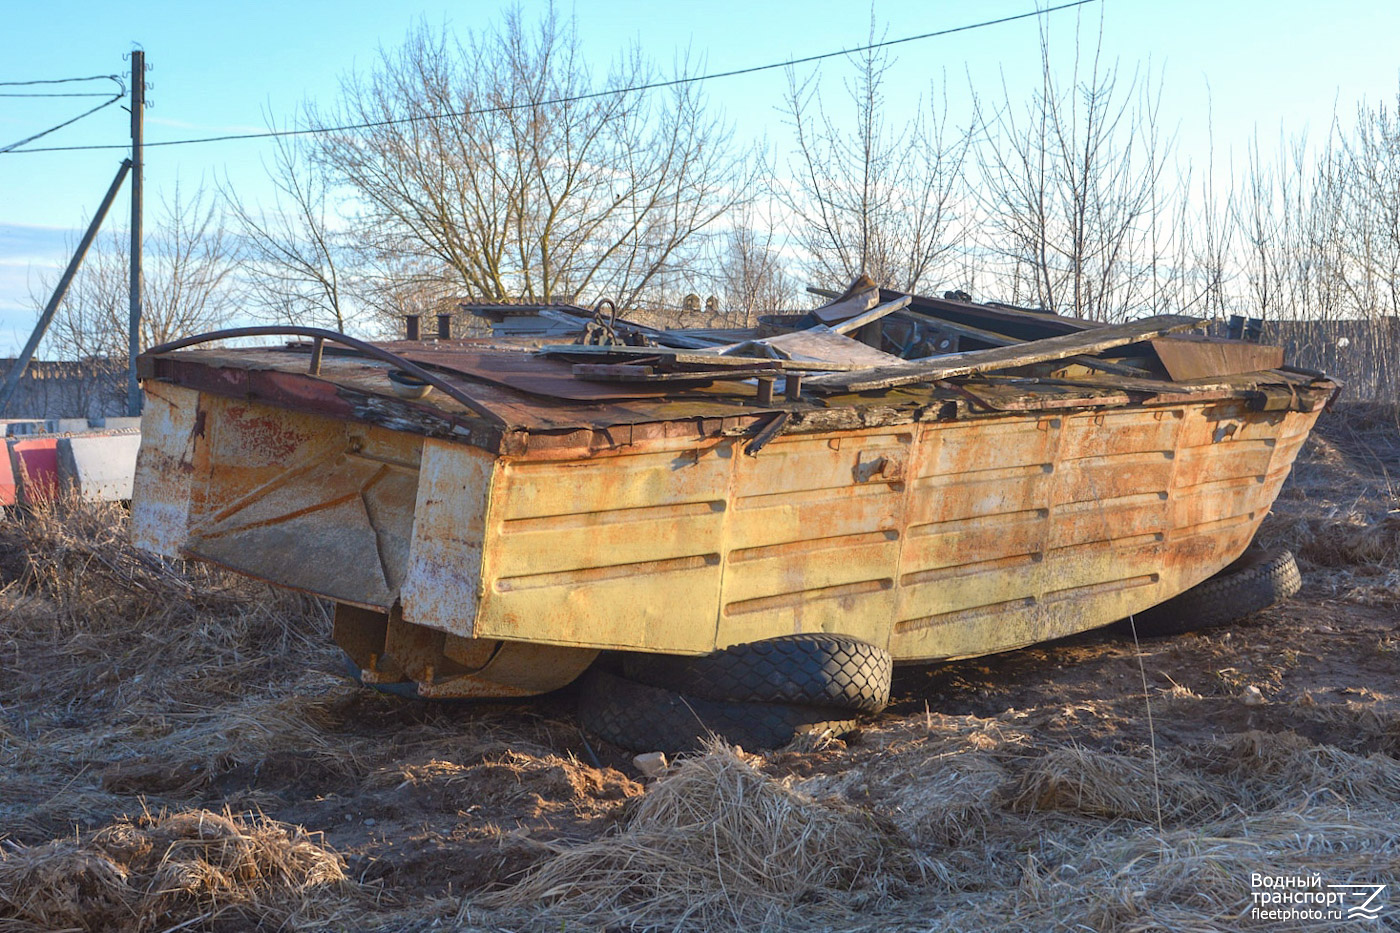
<point>644,718</point>
<point>829,671</point>
<point>1258,580</point>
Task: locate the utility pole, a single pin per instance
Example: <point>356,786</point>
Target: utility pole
<point>138,107</point>
<point>16,372</point>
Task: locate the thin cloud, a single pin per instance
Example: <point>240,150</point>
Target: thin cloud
<point>204,127</point>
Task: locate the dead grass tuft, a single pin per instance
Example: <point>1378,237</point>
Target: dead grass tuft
<point>100,616</point>
<point>533,780</point>
<point>1109,786</point>
<point>1339,510</point>
<point>1330,538</point>
<point>1271,769</point>
<point>165,870</point>
<point>111,655</point>
<point>1198,877</point>
<point>716,843</point>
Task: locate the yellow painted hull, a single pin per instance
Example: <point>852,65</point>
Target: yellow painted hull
<point>935,540</point>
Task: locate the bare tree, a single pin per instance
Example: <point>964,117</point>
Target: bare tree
<point>1270,214</point>
<point>188,283</point>
<point>1207,236</point>
<point>751,275</point>
<point>494,160</point>
<point>1358,221</point>
<point>1318,249</point>
<point>1371,198</point>
<point>866,197</point>
<point>295,263</point>
<point>389,287</point>
<point>1069,186</point>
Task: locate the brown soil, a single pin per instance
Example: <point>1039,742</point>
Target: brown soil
<point>996,790</point>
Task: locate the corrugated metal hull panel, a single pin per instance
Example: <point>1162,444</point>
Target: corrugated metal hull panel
<point>612,551</point>
<point>936,539</point>
<point>939,540</point>
<point>813,536</point>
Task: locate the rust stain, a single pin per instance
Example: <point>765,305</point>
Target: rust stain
<point>264,430</point>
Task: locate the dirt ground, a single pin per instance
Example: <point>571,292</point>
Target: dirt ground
<point>180,749</point>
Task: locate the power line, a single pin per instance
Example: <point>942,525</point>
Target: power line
<point>87,94</point>
<point>674,82</point>
<point>87,113</point>
<point>121,92</point>
<point>116,78</point>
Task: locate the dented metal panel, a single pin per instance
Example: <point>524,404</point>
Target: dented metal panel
<point>302,501</point>
<point>607,552</point>
<point>165,469</point>
<point>315,504</point>
<point>443,584</point>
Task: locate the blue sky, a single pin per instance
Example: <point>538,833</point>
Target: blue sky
<point>1271,66</point>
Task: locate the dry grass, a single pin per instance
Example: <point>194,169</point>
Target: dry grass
<point>1070,838</point>
<point>1109,786</point>
<point>1269,769</point>
<point>1198,877</point>
<point>76,589</point>
<point>132,685</point>
<point>717,845</point>
<point>1340,509</point>
<point>159,871</point>
<point>108,649</point>
<point>125,673</point>
<point>942,830</point>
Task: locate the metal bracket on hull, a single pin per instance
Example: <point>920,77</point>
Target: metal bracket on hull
<point>389,650</point>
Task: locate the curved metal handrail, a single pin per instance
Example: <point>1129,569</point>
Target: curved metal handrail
<point>320,335</point>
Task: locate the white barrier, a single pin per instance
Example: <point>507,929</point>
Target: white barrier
<point>95,459</point>
<point>98,467</point>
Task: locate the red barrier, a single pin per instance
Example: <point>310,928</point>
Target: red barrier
<point>37,463</point>
<point>9,492</point>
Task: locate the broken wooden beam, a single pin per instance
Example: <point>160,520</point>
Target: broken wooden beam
<point>997,339</point>
<point>675,358</point>
<point>818,345</point>
<point>770,429</point>
<point>860,296</point>
<point>1022,323</point>
<point>979,361</point>
<point>871,316</point>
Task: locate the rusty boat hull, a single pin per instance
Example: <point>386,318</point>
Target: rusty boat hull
<point>480,556</point>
